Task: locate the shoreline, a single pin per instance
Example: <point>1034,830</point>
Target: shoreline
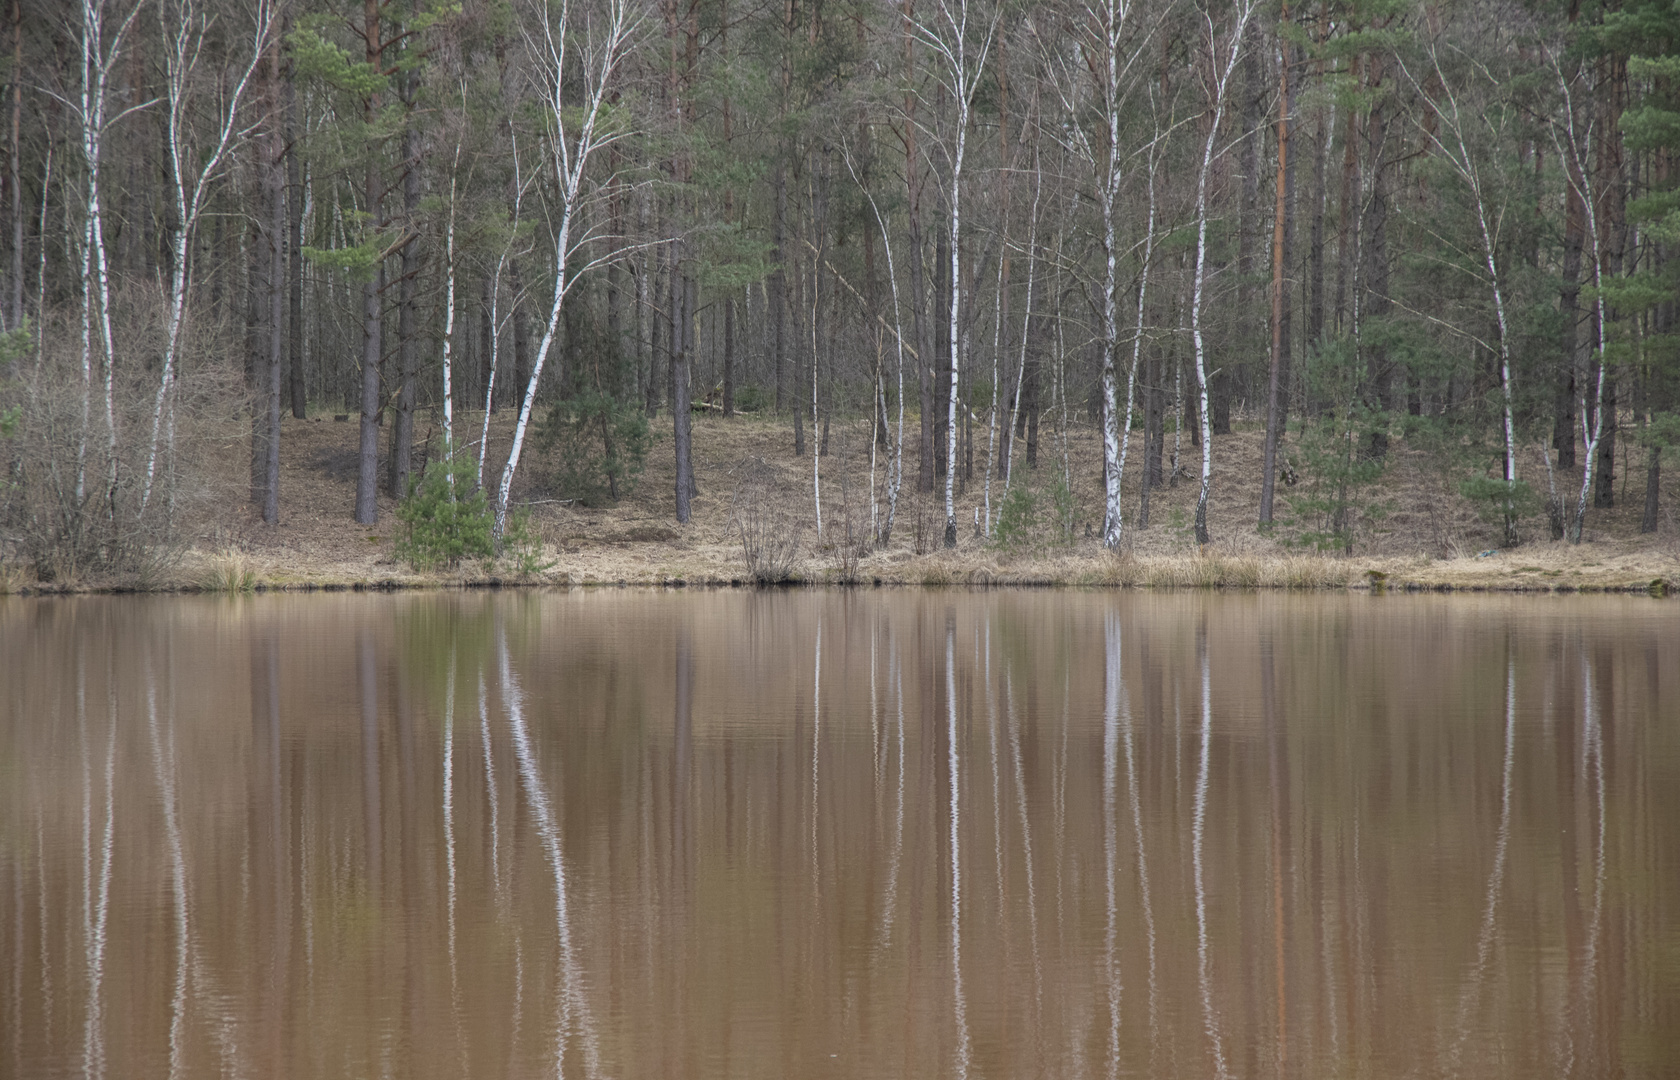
<point>1430,539</point>
<point>1560,571</point>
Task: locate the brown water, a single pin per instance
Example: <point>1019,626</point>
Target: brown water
<point>876,834</point>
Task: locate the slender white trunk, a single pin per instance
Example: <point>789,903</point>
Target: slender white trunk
<point>895,466</point>
<point>183,44</point>
<point>1026,322</point>
<point>992,420</point>
<point>1137,332</point>
<point>87,361</point>
<point>816,421</point>
<point>571,153</point>
<point>1242,10</point>
<point>1113,15</point>
<point>1450,119</point>
<point>495,356</point>
<point>107,342</point>
<point>1576,158</point>
<point>955,341</point>
<point>950,43</point>
<point>449,332</point>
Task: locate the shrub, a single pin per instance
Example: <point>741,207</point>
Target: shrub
<point>444,518</point>
<point>1016,517</point>
<point>1495,500</point>
<point>751,398</point>
<point>600,445</point>
<point>770,534</point>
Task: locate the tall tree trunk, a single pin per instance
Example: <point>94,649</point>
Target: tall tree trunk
<point>1347,224</point>
<point>521,337</point>
<point>1315,242</point>
<point>1232,376</point>
<point>1283,229</point>
<point>681,411</point>
<point>16,171</point>
<point>408,323</point>
<point>1243,11</point>
<point>1653,487</point>
<point>274,194</point>
<point>294,249</point>
<point>367,468</point>
<point>1376,303</point>
<point>1569,311</point>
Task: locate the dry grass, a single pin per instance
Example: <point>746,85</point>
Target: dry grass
<point>227,571</point>
<point>1430,539</point>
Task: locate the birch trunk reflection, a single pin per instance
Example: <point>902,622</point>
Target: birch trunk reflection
<point>574,1015</point>
<point>670,868</point>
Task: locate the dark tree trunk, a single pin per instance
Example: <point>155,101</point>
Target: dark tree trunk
<point>729,356</point>
<point>1376,303</point>
<point>486,338</point>
<point>367,468</point>
<point>294,221</point>
<point>408,328</point>
<point>276,199</point>
<point>778,284</point>
<point>1569,293</point>
<point>1283,243</point>
<point>798,399</point>
<point>681,414</point>
<point>1604,497</point>
<point>256,326</point>
<point>1315,241</point>
<point>1653,486</point>
<point>521,338</point>
<point>1348,222</point>
<point>16,170</point>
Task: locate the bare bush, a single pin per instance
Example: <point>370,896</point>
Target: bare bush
<point>61,512</point>
<point>850,540</point>
<point>770,533</point>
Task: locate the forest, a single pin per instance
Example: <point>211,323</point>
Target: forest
<point>1351,225</point>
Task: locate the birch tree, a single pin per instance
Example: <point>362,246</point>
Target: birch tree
<point>1105,35</point>
<point>183,28</point>
<point>100,39</point>
<point>1222,62</point>
<point>949,35</point>
<point>1447,135</point>
<point>1574,140</point>
<point>578,56</point>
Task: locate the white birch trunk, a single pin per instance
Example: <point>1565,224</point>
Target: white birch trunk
<point>1576,158</point>
<point>816,420</point>
<point>570,152</point>
<point>1242,10</point>
<point>183,44</point>
<point>949,41</point>
<point>1451,117</point>
<point>895,466</point>
<point>495,356</point>
<point>449,332</point>
<point>1113,16</point>
<point>1026,321</point>
<point>991,422</point>
<point>1137,330</point>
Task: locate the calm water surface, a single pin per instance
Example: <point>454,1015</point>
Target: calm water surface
<point>877,834</point>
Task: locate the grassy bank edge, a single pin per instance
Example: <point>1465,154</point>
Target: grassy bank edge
<point>233,573</point>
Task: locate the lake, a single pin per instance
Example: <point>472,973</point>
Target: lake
<point>676,833</point>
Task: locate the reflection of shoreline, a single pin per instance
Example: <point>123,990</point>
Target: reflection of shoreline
<point>1538,568</point>
<point>1433,949</point>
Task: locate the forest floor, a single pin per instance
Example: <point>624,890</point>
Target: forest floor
<point>1425,536</point>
